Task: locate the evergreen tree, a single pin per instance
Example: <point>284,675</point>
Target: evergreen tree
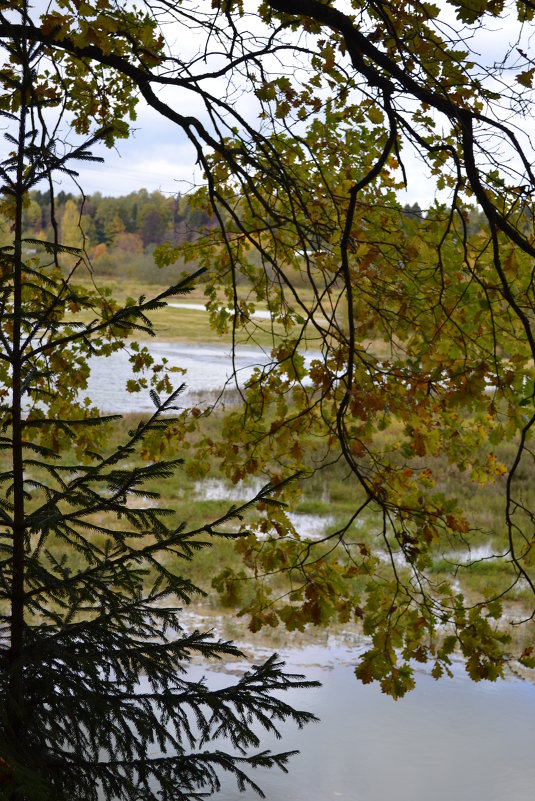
<point>94,696</point>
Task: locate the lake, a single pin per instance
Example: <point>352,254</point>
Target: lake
<point>451,740</point>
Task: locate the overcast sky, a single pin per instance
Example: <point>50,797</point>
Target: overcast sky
<point>158,155</point>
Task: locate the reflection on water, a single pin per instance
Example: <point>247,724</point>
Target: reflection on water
<point>450,740</point>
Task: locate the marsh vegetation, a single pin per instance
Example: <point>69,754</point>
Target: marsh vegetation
<point>319,506</point>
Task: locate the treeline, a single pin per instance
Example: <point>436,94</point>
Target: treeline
<point>118,234</point>
<point>474,219</point>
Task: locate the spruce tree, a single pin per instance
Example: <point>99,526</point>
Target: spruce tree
<point>95,700</point>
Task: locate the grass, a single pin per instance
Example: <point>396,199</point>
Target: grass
<point>334,495</point>
<point>186,325</point>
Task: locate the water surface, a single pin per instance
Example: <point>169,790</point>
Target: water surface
<point>451,740</point>
<point>208,369</point>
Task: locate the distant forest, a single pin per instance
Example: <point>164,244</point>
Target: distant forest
<point>118,234</point>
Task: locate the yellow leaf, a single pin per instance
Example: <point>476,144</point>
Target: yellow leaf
<point>375,115</point>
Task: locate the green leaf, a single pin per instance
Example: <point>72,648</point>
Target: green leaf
<point>526,78</point>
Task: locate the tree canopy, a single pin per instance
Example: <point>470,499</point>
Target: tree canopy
<point>305,117</point>
<point>96,701</point>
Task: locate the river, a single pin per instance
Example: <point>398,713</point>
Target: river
<point>447,740</point>
<point>208,367</point>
